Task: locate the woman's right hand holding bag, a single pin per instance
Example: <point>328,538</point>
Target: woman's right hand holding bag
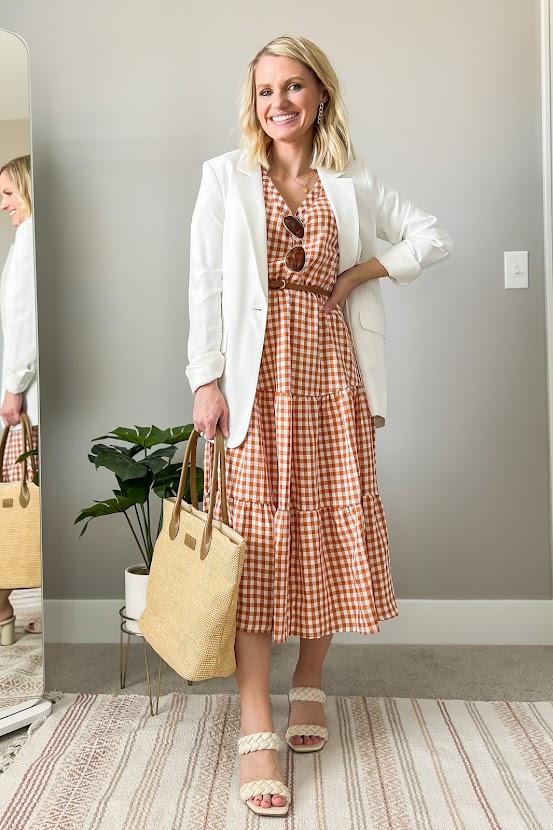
<point>210,409</point>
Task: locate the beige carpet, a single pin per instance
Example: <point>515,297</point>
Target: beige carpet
<point>103,762</point>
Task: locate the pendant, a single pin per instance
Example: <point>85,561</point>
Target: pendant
<point>305,190</point>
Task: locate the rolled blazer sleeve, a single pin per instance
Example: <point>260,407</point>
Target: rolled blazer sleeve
<point>418,241</point>
<point>205,359</point>
<point>20,335</point>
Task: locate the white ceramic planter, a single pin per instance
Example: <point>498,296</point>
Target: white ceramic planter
<point>136,584</point>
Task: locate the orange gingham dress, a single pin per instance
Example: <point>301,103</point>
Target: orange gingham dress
<point>302,488</point>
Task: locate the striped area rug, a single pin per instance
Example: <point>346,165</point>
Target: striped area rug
<point>103,762</point>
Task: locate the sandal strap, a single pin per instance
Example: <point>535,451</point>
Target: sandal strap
<point>262,786</point>
<point>310,729</point>
<point>6,622</point>
<point>258,740</point>
<point>310,693</point>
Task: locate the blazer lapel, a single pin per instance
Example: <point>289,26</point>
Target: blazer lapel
<point>340,190</point>
<point>250,190</point>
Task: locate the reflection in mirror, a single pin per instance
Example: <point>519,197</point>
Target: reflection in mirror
<point>21,641</point>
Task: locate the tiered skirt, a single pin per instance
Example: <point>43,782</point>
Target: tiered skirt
<point>302,487</point>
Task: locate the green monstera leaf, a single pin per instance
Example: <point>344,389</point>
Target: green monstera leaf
<point>147,437</point>
<point>120,463</point>
<point>166,483</point>
<point>119,504</point>
<point>136,490</point>
<point>158,460</point>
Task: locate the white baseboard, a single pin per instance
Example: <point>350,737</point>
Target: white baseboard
<point>420,622</point>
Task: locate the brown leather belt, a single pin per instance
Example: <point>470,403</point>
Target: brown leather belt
<point>299,286</point>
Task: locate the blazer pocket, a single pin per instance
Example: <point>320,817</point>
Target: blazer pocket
<point>373,320</point>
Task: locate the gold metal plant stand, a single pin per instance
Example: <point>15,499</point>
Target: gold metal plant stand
<point>124,663</point>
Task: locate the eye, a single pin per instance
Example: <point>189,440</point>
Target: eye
<point>264,93</point>
<point>297,86</point>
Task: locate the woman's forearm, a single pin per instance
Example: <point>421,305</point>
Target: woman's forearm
<point>371,270</point>
<point>350,279</point>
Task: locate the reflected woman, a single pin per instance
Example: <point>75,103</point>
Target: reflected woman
<point>19,364</point>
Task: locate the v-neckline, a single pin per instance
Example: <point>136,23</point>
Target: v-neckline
<point>303,201</point>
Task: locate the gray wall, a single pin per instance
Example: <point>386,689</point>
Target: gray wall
<point>444,101</point>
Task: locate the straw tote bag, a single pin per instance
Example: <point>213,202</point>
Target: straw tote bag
<point>192,593</point>
<point>20,562</point>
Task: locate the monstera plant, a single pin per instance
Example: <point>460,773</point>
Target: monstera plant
<point>143,467</point>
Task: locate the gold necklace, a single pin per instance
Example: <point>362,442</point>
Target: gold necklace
<point>304,186</point>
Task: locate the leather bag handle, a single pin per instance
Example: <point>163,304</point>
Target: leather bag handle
<point>218,468</point>
<point>27,426</point>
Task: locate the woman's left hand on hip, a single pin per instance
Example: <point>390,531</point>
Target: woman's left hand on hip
<point>342,287</point>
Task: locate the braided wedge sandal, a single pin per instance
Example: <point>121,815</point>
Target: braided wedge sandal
<point>262,786</point>
<point>310,693</point>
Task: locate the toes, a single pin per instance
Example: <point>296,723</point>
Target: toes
<point>265,800</point>
<point>307,740</point>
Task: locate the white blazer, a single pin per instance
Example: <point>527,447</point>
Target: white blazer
<point>228,287</point>
<point>18,315</point>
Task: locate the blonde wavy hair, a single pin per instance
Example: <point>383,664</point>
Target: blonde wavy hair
<point>19,171</point>
<point>332,147</point>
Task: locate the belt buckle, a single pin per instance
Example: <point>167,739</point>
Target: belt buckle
<point>280,287</point>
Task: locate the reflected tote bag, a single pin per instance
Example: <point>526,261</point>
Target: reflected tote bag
<point>20,562</point>
<point>192,593</point>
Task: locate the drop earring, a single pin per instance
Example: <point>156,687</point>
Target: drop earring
<point>320,113</point>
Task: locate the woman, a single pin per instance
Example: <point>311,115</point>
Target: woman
<point>19,364</point>
<point>286,355</point>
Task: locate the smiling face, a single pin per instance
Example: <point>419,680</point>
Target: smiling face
<point>288,95</point>
<point>10,200</point>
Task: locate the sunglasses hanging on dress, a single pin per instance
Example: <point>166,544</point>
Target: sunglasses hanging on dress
<point>295,258</point>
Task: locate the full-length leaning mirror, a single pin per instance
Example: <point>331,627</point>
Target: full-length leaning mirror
<point>21,638</point>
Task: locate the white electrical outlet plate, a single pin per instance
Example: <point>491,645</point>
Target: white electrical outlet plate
<point>516,269</point>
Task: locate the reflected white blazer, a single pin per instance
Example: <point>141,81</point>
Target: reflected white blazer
<point>228,286</point>
<point>18,314</point>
